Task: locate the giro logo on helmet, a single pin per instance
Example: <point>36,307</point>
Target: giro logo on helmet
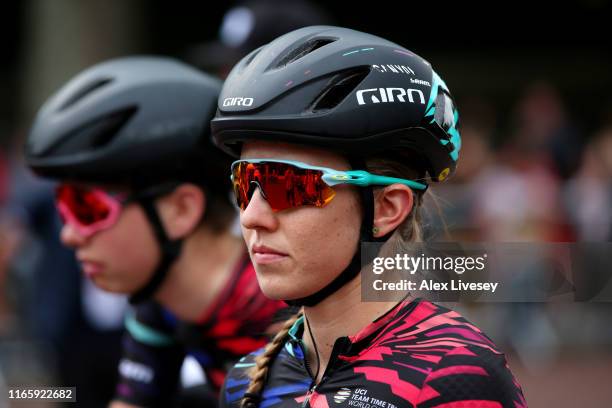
<point>381,95</point>
<point>238,101</point>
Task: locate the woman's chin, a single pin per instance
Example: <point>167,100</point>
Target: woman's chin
<point>285,284</point>
<point>113,287</point>
<point>278,292</point>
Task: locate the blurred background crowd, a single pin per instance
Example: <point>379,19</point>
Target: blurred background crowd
<point>533,89</point>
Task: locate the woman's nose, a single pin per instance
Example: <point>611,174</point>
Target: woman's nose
<point>258,214</point>
<point>70,237</point>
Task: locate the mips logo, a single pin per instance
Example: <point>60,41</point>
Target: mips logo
<point>383,95</point>
<point>443,174</point>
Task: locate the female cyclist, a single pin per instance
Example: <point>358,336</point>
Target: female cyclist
<point>146,208</point>
<point>354,124</point>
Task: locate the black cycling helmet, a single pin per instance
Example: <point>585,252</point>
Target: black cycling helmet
<point>134,117</point>
<point>137,120</point>
<point>347,91</point>
<point>341,89</point>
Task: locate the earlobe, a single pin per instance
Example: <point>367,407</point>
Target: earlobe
<point>392,205</point>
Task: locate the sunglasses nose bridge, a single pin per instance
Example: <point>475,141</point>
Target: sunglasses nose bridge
<point>258,212</point>
<point>254,185</point>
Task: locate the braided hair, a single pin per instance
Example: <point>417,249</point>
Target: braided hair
<point>259,373</point>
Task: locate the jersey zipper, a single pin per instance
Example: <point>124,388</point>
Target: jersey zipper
<point>341,345</point>
<point>313,385</point>
<point>308,395</point>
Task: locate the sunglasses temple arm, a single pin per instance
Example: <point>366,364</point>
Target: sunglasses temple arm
<point>363,178</point>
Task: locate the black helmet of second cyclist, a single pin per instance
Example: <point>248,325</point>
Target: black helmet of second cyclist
<point>134,120</point>
<point>348,91</point>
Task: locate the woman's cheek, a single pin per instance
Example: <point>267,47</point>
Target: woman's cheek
<point>325,242</point>
<point>132,253</point>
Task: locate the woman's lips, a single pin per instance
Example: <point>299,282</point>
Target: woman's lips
<point>262,254</point>
<point>91,269</point>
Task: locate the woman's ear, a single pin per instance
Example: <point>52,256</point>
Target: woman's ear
<point>181,210</point>
<point>391,207</point>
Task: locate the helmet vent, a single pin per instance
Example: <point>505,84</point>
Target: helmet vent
<point>339,88</point>
<point>86,90</point>
<point>303,50</point>
<point>252,57</point>
<point>94,135</point>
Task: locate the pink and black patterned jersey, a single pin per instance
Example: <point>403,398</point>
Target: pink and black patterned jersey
<point>418,354</point>
<point>156,343</point>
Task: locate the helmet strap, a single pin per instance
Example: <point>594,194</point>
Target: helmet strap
<point>365,235</point>
<point>170,251</point>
